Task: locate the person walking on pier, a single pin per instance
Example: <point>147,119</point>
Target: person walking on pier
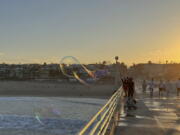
<point>151,87</point>
<point>178,87</point>
<point>168,87</point>
<point>144,85</point>
<point>162,88</point>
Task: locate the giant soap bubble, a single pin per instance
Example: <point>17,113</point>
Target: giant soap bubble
<point>72,68</point>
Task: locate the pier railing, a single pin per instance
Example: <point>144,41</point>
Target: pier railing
<point>104,121</point>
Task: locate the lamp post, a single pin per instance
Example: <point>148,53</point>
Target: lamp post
<point>117,72</point>
<point>116,59</point>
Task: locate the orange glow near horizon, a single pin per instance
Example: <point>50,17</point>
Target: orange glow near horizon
<point>38,32</point>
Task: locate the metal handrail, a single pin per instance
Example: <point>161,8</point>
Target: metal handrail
<point>105,114</point>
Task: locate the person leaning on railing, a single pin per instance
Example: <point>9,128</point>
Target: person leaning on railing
<point>131,88</point>
<point>130,100</point>
<point>125,86</point>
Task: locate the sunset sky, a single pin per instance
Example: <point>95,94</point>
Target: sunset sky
<point>36,31</point>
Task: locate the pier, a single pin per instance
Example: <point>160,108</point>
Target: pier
<point>154,116</point>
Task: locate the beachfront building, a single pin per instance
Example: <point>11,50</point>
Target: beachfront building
<point>153,70</point>
<point>16,72</point>
<point>4,71</point>
<point>49,71</point>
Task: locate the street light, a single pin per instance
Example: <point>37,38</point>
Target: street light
<point>116,58</point>
<point>117,72</point>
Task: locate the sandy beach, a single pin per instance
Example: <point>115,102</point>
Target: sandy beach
<point>45,88</point>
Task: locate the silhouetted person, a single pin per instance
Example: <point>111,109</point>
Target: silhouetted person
<point>178,87</point>
<point>162,88</point>
<point>151,87</point>
<point>168,87</point>
<point>130,101</point>
<point>125,86</point>
<point>144,85</point>
<point>131,87</point>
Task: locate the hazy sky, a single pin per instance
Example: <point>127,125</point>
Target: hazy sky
<point>91,30</point>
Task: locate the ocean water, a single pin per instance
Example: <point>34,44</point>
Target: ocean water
<point>46,115</point>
